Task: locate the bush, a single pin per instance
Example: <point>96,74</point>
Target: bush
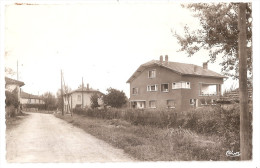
<point>11,99</point>
<point>37,106</point>
<point>10,111</point>
<point>115,98</point>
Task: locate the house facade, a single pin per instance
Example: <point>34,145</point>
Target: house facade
<point>79,98</point>
<point>13,85</point>
<point>165,84</point>
<point>27,98</point>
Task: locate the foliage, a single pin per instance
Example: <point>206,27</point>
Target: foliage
<point>218,34</point>
<point>94,101</point>
<point>50,101</point>
<point>11,99</point>
<point>66,90</point>
<point>9,72</point>
<point>10,111</point>
<point>146,143</point>
<point>114,98</point>
<point>37,106</point>
<point>210,120</point>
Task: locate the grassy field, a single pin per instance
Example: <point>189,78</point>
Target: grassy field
<point>150,143</point>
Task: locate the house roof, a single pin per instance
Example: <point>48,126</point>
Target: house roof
<point>10,81</point>
<point>180,68</point>
<point>85,89</point>
<point>29,96</point>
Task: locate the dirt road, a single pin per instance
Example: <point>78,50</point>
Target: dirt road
<point>45,138</point>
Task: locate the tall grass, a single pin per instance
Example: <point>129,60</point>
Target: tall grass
<point>210,120</point>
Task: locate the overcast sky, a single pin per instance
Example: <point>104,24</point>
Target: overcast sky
<point>102,42</point>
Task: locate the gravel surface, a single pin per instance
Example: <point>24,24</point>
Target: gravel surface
<point>44,138</point>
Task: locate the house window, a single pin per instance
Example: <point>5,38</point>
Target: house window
<point>179,85</point>
<point>135,91</point>
<point>192,101</point>
<point>152,88</point>
<point>170,104</point>
<point>205,101</point>
<point>152,104</point>
<point>165,87</point>
<point>79,97</point>
<point>151,74</point>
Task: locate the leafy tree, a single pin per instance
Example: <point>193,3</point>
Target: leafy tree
<point>9,71</point>
<point>11,99</point>
<point>66,90</point>
<point>218,34</point>
<point>114,98</point>
<point>94,100</point>
<point>50,101</point>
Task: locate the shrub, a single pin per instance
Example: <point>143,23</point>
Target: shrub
<point>114,98</point>
<point>10,111</point>
<point>37,106</point>
<point>11,99</point>
<point>94,101</point>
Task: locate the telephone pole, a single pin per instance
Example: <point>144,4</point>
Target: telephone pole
<point>243,91</point>
<point>82,93</point>
<point>62,102</point>
<point>17,70</point>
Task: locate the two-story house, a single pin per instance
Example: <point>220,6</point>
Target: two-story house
<point>165,84</point>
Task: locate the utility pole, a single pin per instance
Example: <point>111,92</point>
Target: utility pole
<point>62,103</point>
<point>17,70</point>
<point>82,93</point>
<point>243,92</point>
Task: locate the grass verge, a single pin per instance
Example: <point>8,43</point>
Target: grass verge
<point>147,143</point>
<point>12,122</point>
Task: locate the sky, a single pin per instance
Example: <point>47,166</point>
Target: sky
<point>103,43</point>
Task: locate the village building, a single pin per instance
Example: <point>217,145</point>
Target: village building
<point>80,98</point>
<point>165,84</point>
<point>27,98</point>
<point>13,85</point>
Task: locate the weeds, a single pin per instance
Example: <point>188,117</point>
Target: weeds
<point>178,130</point>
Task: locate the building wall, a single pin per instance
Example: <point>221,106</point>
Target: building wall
<point>31,101</point>
<point>73,99</point>
<point>193,93</point>
<point>181,97</point>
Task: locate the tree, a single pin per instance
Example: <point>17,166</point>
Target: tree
<point>9,72</point>
<point>50,101</point>
<point>227,30</point>
<point>66,90</point>
<point>94,100</point>
<point>218,35</point>
<point>114,98</point>
<point>11,99</point>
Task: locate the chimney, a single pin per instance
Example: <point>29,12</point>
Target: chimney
<point>166,58</point>
<point>205,65</point>
<point>87,86</point>
<point>161,59</point>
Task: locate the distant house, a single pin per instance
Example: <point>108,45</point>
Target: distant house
<point>80,98</point>
<point>165,84</point>
<point>27,98</point>
<point>13,85</point>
